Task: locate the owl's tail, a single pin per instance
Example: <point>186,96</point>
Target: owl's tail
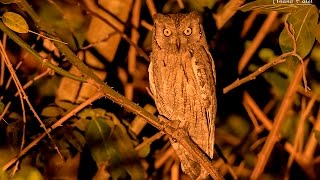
<point>189,165</point>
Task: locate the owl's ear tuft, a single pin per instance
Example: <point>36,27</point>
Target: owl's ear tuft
<point>157,16</point>
<point>195,16</point>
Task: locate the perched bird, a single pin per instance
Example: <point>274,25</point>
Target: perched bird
<point>182,80</point>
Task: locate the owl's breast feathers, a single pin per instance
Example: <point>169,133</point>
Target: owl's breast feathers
<point>183,85</point>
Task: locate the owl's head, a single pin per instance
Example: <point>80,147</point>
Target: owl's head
<point>177,32</point>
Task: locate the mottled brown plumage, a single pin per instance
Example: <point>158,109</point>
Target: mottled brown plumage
<point>182,81</point>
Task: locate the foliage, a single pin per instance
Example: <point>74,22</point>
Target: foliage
<point>96,138</point>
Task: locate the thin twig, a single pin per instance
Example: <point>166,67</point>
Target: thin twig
<point>312,143</point>
<point>28,84</point>
<point>257,128</point>
<point>248,23</point>
<point>257,111</point>
<point>146,25</point>
<point>151,7</point>
<point>273,136</point>
<point>299,158</point>
<point>175,171</point>
<point>10,78</point>
<point>227,12</point>
<point>5,110</point>
<point>180,4</point>
<point>309,94</point>
<point>257,41</point>
<point>52,39</point>
<point>36,55</point>
<point>291,33</point>
<point>123,35</point>
<point>24,96</point>
<point>299,135</point>
<point>38,77</point>
<point>150,140</point>
<point>54,126</point>
<point>253,75</point>
<point>2,68</point>
<point>279,59</point>
<point>24,119</point>
<point>164,157</point>
<point>138,123</point>
<point>108,36</point>
<point>132,54</point>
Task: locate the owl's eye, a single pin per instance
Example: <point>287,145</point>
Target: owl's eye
<point>167,32</point>
<point>187,31</point>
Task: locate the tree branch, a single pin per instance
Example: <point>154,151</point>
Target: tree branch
<point>93,79</point>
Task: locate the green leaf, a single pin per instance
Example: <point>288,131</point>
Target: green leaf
<point>4,176</point>
<point>52,111</point>
<point>8,1</point>
<point>76,139</point>
<point>266,54</point>
<point>67,20</point>
<point>1,108</point>
<point>315,87</point>
<point>237,126</point>
<point>304,22</point>
<point>97,135</point>
<point>317,135</point>
<point>7,153</point>
<point>15,22</point>
<point>289,126</point>
<point>278,83</point>
<point>267,6</point>
<point>109,142</point>
<point>145,150</point>
<point>47,87</point>
<point>66,105</point>
<point>250,159</point>
<point>287,68</point>
<point>102,172</point>
<point>15,116</point>
<point>198,5</point>
<point>64,148</point>
<point>315,56</point>
<point>92,113</point>
<point>28,173</point>
<point>317,32</point>
<point>81,124</point>
<point>80,137</point>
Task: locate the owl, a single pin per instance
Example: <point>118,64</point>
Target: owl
<point>182,80</point>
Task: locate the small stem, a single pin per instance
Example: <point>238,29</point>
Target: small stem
<point>253,75</point>
<point>54,126</point>
<point>47,37</point>
<point>257,41</point>
<point>40,59</point>
<point>273,136</point>
<point>24,96</point>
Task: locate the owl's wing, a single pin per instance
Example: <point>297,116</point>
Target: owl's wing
<point>151,79</point>
<point>204,71</point>
<point>211,62</point>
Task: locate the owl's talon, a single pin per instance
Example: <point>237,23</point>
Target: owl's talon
<point>168,125</point>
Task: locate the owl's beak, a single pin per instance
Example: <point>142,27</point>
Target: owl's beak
<point>178,44</point>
